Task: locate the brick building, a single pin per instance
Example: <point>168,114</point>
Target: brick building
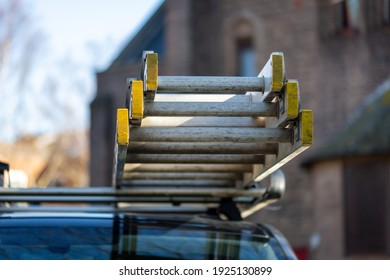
<point>351,185</point>
<point>337,49</point>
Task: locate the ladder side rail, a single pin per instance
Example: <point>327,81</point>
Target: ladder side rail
<point>121,146</point>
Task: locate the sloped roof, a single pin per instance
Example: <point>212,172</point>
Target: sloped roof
<point>366,133</point>
<point>150,37</point>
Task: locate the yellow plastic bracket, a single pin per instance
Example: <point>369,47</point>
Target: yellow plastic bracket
<point>122,129</point>
<point>292,99</point>
<point>137,99</point>
<point>307,127</point>
<point>278,71</point>
<point>151,65</point>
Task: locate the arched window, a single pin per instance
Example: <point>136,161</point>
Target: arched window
<point>242,45</point>
<point>246,58</point>
<point>245,51</point>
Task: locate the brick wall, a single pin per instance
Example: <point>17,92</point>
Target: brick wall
<point>336,70</point>
<point>328,240</point>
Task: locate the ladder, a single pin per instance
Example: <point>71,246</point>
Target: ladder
<point>185,142</point>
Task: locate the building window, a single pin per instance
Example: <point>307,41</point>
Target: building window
<point>340,17</point>
<point>246,58</point>
<point>366,195</point>
<point>347,15</point>
<point>386,12</point>
<point>376,13</point>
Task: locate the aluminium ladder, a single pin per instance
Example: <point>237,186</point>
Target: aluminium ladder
<point>193,144</point>
<point>207,142</point>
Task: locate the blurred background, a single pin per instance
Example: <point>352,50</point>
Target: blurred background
<point>63,67</point>
<point>49,54</point>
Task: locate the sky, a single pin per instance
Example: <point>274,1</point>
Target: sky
<point>78,39</point>
<point>73,25</point>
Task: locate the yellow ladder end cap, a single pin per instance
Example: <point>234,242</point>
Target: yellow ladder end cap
<point>122,126</point>
<point>292,99</point>
<point>278,71</point>
<point>137,99</point>
<point>307,127</point>
<point>151,71</point>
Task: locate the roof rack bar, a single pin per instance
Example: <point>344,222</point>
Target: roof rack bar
<point>87,194</point>
<point>173,199</point>
<point>139,208</point>
<point>104,199</point>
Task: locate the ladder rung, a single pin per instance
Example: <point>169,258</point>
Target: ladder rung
<point>216,109</point>
<point>210,134</point>
<point>195,84</point>
<point>203,122</point>
<point>202,148</point>
<point>188,168</point>
<point>187,158</point>
<point>178,183</point>
<point>182,176</point>
<point>204,97</point>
